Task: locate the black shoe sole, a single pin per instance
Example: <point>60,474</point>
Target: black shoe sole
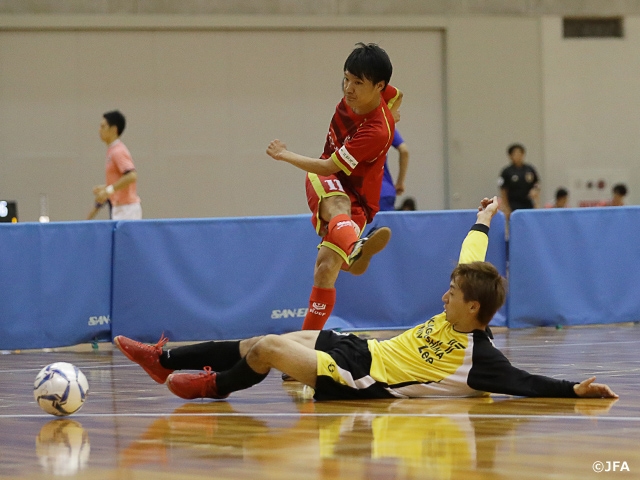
<point>374,244</point>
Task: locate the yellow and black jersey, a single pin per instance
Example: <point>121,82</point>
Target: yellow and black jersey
<point>431,359</point>
<point>434,359</point>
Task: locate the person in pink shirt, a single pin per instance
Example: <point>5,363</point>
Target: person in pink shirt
<point>120,172</point>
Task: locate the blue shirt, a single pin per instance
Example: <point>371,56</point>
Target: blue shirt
<point>388,186</point>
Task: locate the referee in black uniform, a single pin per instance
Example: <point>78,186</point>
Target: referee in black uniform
<point>518,182</point>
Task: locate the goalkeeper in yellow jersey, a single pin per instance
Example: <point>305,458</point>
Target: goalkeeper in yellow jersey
<point>450,354</point>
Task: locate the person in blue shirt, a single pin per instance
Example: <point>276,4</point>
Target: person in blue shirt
<point>389,190</point>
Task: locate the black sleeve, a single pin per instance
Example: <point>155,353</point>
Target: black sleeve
<point>505,179</point>
<point>536,178</point>
<point>480,227</point>
<point>492,372</point>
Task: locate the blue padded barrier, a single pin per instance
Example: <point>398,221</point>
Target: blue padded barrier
<point>234,278</point>
<point>574,266</point>
<point>55,280</point>
<point>212,278</point>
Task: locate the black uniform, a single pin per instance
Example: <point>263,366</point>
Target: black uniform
<point>518,182</point>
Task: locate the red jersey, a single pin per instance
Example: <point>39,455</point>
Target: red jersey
<point>358,144</point>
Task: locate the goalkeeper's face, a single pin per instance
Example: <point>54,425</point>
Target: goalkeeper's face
<point>459,312</point>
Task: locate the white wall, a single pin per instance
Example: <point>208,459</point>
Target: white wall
<point>591,110</point>
<point>201,107</point>
<point>573,103</point>
<point>494,97</point>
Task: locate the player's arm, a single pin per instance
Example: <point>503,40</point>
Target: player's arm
<point>403,160</point>
<point>487,210</point>
<point>492,372</point>
<point>504,201</point>
<point>94,211</point>
<point>474,246</point>
<point>393,97</point>
<point>101,192</point>
<point>320,166</point>
<point>534,193</point>
<point>503,182</point>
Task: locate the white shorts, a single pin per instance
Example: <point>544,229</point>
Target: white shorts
<point>129,211</point>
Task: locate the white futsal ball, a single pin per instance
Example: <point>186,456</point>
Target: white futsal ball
<point>60,389</point>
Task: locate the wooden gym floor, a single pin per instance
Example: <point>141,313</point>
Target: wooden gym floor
<point>133,428</point>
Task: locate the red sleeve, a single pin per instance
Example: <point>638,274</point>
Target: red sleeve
<point>368,143</point>
<point>390,94</point>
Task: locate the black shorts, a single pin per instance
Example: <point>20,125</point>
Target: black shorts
<point>344,366</point>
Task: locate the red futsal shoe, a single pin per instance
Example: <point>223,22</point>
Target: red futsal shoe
<point>367,247</point>
<point>195,385</point>
<point>147,356</point>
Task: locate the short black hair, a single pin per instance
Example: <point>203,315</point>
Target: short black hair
<point>371,62</point>
<point>620,189</point>
<point>561,193</point>
<point>408,204</point>
<point>515,146</point>
<point>115,117</point>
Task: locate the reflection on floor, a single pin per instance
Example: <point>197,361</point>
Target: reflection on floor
<point>132,427</point>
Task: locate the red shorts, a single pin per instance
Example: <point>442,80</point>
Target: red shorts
<point>319,187</point>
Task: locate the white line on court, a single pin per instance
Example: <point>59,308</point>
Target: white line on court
<point>550,343</point>
<point>298,415</point>
<point>107,366</point>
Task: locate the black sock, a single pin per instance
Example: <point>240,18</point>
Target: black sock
<point>239,377</point>
<point>219,355</point>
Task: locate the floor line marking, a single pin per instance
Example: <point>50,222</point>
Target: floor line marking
<point>83,367</point>
<point>299,415</point>
<point>502,344</point>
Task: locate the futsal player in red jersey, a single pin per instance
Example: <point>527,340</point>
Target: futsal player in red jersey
<point>343,185</point>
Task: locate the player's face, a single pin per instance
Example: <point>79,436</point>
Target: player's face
<point>455,307</point>
<point>106,131</point>
<point>361,94</point>
<point>517,157</point>
<point>617,200</point>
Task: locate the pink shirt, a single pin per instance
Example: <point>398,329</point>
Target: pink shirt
<point>118,162</point>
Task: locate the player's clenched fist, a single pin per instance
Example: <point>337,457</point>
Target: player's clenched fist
<point>275,148</point>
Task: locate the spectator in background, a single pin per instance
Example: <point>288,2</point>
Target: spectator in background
<point>408,205</point>
<point>619,192</point>
<point>562,198</point>
<point>519,182</point>
<point>389,191</point>
<point>120,173</point>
